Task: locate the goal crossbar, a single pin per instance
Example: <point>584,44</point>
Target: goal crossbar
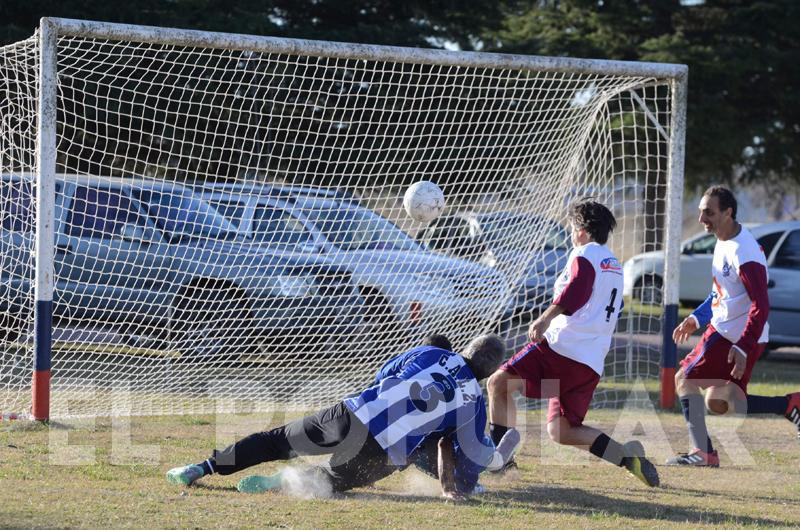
<point>341,50</point>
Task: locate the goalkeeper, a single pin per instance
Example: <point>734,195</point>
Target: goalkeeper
<point>417,398</point>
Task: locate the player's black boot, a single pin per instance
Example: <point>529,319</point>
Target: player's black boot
<point>643,469</point>
<point>793,410</point>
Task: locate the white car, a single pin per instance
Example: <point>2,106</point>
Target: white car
<point>484,237</point>
<point>644,275</point>
<point>400,280</point>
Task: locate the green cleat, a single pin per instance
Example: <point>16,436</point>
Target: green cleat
<point>641,468</point>
<point>185,476</point>
<point>259,483</point>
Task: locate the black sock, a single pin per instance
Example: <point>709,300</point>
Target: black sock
<point>208,466</point>
<point>607,449</point>
<point>497,432</point>
<point>767,405</point>
<point>694,412</point>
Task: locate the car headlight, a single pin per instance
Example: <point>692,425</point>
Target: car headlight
<point>295,286</point>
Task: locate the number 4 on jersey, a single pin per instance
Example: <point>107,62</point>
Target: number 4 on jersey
<point>610,307</point>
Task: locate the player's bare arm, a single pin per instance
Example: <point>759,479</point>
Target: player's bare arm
<point>540,325</point>
<point>739,359</point>
<point>446,467</point>
<point>684,330</point>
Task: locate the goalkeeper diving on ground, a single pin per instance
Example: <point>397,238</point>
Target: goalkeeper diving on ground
<point>425,399</point>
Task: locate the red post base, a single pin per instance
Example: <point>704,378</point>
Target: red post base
<point>40,405</point>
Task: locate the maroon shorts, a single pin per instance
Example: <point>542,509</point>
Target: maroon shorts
<point>707,364</point>
<point>568,384</point>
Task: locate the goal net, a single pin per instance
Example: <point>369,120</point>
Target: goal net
<point>228,222</point>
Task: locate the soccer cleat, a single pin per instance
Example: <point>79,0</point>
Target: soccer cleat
<point>696,458</point>
<point>643,469</point>
<point>185,476</point>
<point>504,452</point>
<point>793,410</point>
<point>511,463</point>
<point>259,483</point>
<point>633,448</point>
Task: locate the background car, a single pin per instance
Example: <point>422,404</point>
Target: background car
<point>402,282</point>
<point>780,241</point>
<point>484,237</point>
<point>154,258</point>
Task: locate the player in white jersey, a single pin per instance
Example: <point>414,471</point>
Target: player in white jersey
<point>569,343</point>
<point>425,397</point>
<point>736,315</point>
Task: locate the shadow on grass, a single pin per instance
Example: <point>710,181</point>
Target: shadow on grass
<point>745,499</point>
<point>584,503</point>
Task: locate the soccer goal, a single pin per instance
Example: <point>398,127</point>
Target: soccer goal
<point>194,222</point>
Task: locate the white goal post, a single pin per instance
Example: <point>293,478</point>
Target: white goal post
<point>196,222</point>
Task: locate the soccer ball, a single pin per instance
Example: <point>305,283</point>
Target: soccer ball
<point>423,201</point>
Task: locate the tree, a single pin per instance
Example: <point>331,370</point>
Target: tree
<point>160,110</point>
<point>743,83</point>
<point>742,54</point>
<point>421,23</point>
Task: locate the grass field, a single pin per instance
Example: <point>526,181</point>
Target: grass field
<point>553,487</point>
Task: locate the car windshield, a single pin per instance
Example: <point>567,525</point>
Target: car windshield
<point>354,228</point>
<point>180,214</point>
<point>702,245</point>
<point>497,227</point>
<point>232,209</point>
<point>277,227</point>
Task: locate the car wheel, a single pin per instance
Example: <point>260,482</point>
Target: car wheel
<point>377,308</point>
<point>647,290</point>
<point>378,314</point>
<point>211,326</point>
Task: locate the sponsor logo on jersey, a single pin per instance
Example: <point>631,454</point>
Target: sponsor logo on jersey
<point>726,269</point>
<point>610,265</point>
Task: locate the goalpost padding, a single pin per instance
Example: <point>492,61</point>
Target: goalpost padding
<point>143,107</point>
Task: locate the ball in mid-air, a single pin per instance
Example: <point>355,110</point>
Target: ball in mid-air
<point>423,201</point>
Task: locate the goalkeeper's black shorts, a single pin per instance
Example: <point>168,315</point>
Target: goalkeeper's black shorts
<point>356,458</point>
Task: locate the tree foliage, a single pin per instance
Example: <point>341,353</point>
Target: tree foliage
<point>408,23</point>
<point>743,119</point>
<point>742,54</point>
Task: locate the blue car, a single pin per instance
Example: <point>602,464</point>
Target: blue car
<point>153,258</point>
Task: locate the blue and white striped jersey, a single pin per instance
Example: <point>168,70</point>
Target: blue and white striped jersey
<point>422,391</point>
